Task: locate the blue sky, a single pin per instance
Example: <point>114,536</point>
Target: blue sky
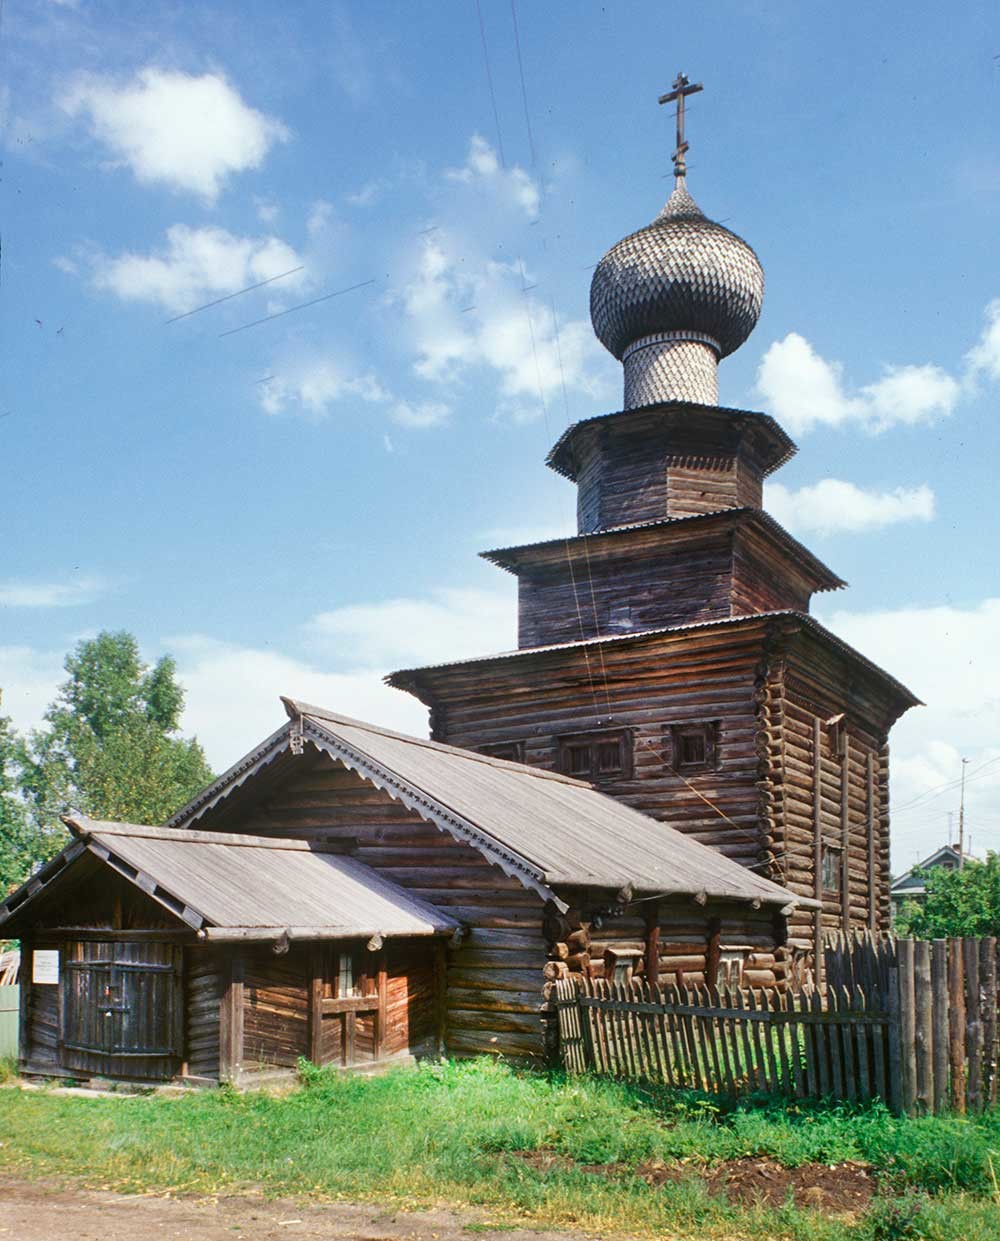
<point>295,507</point>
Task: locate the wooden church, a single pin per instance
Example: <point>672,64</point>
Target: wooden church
<point>678,773</point>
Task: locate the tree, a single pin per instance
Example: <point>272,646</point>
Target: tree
<point>23,843</point>
<point>956,902</point>
<point>111,748</point>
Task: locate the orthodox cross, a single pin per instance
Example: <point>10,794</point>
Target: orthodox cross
<point>682,88</point>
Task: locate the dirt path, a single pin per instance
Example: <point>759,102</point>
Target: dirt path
<point>43,1211</point>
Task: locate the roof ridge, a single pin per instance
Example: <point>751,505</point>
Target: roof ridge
<point>473,756</point>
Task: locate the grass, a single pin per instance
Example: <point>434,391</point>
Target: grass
<point>449,1133</point>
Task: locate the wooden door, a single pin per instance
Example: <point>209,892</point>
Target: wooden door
<point>122,1009</point>
<point>347,1005</point>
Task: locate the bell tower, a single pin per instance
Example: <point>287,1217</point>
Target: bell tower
<point>666,652</point>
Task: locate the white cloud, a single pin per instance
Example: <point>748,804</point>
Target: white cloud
<point>984,356</point>
<point>483,168</point>
<point>368,195</point>
<point>178,129</point>
<point>267,211</point>
<point>68,594</point>
<point>466,312</point>
<point>29,679</point>
<point>233,691</point>
<point>314,385</point>
<point>833,505</point>
<point>320,215</point>
<point>803,390</point>
<point>195,265</point>
<point>448,624</point>
<point>950,658</point>
<point>420,415</point>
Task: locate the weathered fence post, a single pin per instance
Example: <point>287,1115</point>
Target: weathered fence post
<point>973,1024</point>
<point>939,994</point>
<point>956,1024</point>
<point>923,1034</point>
<point>908,1051</point>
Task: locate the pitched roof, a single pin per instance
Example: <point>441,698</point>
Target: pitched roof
<point>217,881</point>
<point>780,447</point>
<point>545,828</point>
<point>607,540</point>
<point>409,678</point>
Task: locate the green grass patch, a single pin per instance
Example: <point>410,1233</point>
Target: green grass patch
<point>457,1133</point>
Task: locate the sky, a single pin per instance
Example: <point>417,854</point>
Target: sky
<point>286,486</point>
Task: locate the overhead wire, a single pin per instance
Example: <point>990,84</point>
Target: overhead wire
<point>489,79</point>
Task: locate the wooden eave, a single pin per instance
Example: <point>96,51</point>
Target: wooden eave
<point>662,533</point>
<point>218,870</point>
<point>771,445</point>
<point>417,800</point>
<point>421,682</point>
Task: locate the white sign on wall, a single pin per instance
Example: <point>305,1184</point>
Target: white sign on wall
<point>45,965</point>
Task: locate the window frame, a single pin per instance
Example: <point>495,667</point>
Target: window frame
<point>591,742</point>
<point>708,731</point>
<point>831,862</point>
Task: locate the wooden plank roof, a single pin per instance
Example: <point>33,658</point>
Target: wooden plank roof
<point>220,881</point>
<point>544,828</point>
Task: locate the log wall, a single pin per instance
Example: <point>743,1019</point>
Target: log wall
<point>202,993</point>
<point>766,685</point>
<point>275,1007</point>
<point>493,977</point>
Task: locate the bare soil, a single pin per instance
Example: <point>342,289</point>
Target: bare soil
<point>838,1189</point>
<point>46,1211</point>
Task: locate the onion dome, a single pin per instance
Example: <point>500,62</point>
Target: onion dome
<point>682,293</point>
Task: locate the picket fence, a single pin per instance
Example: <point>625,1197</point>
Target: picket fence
<point>913,1023</point>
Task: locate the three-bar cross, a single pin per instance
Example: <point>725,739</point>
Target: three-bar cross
<point>682,88</point>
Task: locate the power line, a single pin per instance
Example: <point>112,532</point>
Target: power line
<point>489,79</point>
<point>520,69</point>
<point>302,306</point>
<point>229,296</point>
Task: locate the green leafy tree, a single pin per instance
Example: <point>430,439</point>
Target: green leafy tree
<point>112,747</point>
<point>956,902</point>
<point>23,842</point>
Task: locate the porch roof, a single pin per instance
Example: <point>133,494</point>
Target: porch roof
<point>229,886</point>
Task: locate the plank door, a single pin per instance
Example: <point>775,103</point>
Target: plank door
<point>122,1009</point>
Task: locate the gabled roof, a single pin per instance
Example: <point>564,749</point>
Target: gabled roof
<point>908,884</point>
<point>609,542</point>
<point>256,886</point>
<point>542,827</point>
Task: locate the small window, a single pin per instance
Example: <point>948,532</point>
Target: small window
<point>511,751</point>
<point>831,868</point>
<point>695,746</point>
<point>597,756</point>
<point>731,962</point>
<point>346,984</point>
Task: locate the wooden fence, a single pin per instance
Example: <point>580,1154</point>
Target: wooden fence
<point>910,1022</point>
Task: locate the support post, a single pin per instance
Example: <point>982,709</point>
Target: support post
<point>231,1022</point>
<point>713,952</point>
<point>817,779</point>
<point>652,959</point>
<point>873,875</point>
<point>845,829</point>
<point>440,995</point>
<point>317,980</point>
